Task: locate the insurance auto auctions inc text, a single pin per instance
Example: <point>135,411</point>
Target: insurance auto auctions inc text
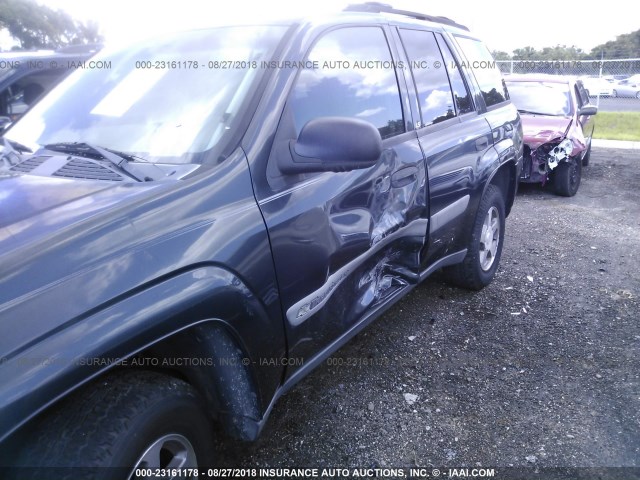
<point>373,472</point>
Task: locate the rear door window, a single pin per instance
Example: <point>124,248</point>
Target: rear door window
<point>429,76</point>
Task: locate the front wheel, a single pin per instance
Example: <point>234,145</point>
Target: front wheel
<point>485,244</point>
<point>614,93</point>
<point>135,422</point>
<point>567,177</point>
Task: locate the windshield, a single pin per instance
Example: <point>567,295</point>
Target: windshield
<point>544,98</point>
<point>168,100</point>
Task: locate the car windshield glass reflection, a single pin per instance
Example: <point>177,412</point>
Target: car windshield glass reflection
<point>166,100</point>
<point>543,98</point>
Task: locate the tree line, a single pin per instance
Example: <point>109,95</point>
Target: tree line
<point>37,26</point>
<point>624,46</point>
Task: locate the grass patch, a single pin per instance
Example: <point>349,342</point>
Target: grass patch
<point>617,126</point>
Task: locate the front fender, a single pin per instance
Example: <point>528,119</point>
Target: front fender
<point>33,379</point>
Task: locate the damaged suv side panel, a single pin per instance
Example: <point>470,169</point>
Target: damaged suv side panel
<point>279,212</point>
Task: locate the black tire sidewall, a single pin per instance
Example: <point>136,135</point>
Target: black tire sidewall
<point>181,414</point>
<point>101,431</point>
<point>562,179</point>
<point>492,198</point>
<point>469,274</point>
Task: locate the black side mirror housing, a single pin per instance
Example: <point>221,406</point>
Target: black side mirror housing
<point>588,110</point>
<point>333,144</point>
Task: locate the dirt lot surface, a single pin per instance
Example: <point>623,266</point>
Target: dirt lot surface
<point>541,368</point>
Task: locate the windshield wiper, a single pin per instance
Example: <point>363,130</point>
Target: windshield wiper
<point>18,147</point>
<point>12,151</point>
<point>121,160</point>
<point>533,113</point>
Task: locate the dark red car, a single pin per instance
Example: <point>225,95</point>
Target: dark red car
<point>557,120</point>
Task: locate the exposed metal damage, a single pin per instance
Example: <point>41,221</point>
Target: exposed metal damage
<point>559,153</point>
<point>545,149</point>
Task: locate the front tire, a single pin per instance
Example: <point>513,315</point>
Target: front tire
<point>567,177</point>
<point>614,93</point>
<point>137,419</point>
<point>485,244</point>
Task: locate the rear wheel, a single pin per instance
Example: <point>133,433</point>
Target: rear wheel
<point>614,93</point>
<point>134,420</point>
<point>638,95</point>
<point>567,177</point>
<point>485,244</point>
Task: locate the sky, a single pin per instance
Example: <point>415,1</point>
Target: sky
<point>500,24</point>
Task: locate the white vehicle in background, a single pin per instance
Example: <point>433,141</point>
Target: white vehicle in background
<point>629,87</point>
<point>597,86</point>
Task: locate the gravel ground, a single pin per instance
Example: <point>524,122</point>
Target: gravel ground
<point>541,368</point>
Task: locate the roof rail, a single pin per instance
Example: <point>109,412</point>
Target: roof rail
<point>377,7</point>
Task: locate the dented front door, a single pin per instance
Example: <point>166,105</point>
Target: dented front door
<point>345,243</point>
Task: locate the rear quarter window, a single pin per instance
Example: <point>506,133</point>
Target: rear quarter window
<point>464,104</point>
<point>484,68</point>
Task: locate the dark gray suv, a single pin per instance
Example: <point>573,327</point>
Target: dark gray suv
<point>187,235</point>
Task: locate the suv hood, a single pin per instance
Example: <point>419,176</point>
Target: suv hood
<point>33,207</point>
<point>540,129</point>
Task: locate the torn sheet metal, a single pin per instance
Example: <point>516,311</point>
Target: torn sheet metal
<point>549,141</point>
<point>561,152</point>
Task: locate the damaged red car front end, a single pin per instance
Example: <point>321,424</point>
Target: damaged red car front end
<point>558,126</point>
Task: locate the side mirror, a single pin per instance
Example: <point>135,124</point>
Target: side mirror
<point>333,144</point>
<point>588,110</point>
